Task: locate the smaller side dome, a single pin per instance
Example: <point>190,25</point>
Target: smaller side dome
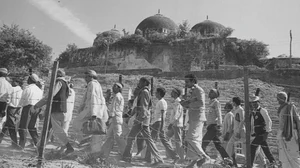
<point>208,28</point>
<point>112,35</point>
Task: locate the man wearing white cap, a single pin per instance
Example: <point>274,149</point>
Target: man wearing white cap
<point>93,105</point>
<point>30,96</point>
<point>59,109</point>
<point>115,118</point>
<point>262,125</point>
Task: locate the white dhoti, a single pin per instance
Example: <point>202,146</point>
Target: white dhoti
<point>288,150</point>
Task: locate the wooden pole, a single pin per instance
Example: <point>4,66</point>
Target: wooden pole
<point>184,143</point>
<point>247,117</point>
<point>120,78</point>
<point>47,116</point>
<point>152,88</point>
<point>291,38</point>
<point>107,54</point>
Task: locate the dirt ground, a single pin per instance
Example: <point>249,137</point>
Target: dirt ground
<point>82,159</point>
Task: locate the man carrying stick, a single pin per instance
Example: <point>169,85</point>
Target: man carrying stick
<point>196,107</point>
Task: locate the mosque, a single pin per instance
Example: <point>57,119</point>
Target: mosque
<point>161,56</point>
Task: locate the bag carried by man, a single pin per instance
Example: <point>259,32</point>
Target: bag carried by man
<point>94,126</point>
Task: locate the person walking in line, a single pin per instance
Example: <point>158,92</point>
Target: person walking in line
<point>70,108</point>
<point>12,111</point>
<point>288,133</point>
<point>129,118</point>
<point>227,130</point>
<point>262,125</point>
<point>239,129</point>
<point>30,96</point>
<point>214,123</point>
<point>176,123</point>
<point>141,124</point>
<point>157,127</point>
<point>5,92</point>
<point>196,107</point>
<point>59,109</point>
<point>115,118</point>
<point>93,105</point>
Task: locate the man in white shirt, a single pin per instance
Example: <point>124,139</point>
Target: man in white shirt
<point>176,123</point>
<point>157,127</point>
<point>5,93</point>
<point>30,96</point>
<point>12,110</point>
<point>239,130</point>
<point>115,118</point>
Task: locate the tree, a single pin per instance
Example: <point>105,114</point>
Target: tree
<point>184,29</point>
<point>66,56</point>
<point>125,33</point>
<point>246,52</point>
<point>20,49</point>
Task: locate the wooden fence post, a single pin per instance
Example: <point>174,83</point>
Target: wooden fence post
<point>47,116</point>
<point>152,81</point>
<point>247,117</point>
<point>216,85</point>
<point>184,143</point>
<point>120,78</point>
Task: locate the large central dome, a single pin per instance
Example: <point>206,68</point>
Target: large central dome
<point>157,23</point>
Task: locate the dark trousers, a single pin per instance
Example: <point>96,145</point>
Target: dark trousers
<point>3,106</point>
<point>140,143</point>
<point>145,131</point>
<point>212,135</point>
<point>28,122</point>
<point>156,132</point>
<point>262,141</point>
<point>10,125</point>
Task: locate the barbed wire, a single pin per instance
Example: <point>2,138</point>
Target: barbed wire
<point>100,104</point>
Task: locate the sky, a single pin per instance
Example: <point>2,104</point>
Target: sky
<point>61,22</point>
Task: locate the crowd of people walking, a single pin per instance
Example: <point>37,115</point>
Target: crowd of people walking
<point>145,120</point>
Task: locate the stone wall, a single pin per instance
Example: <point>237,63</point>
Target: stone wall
<point>124,58</point>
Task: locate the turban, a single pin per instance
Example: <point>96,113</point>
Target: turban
<point>34,78</point>
<point>177,91</point>
<point>119,85</point>
<point>282,96</point>
<point>253,98</point>
<point>91,73</point>
<point>61,73</point>
<point>4,70</point>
